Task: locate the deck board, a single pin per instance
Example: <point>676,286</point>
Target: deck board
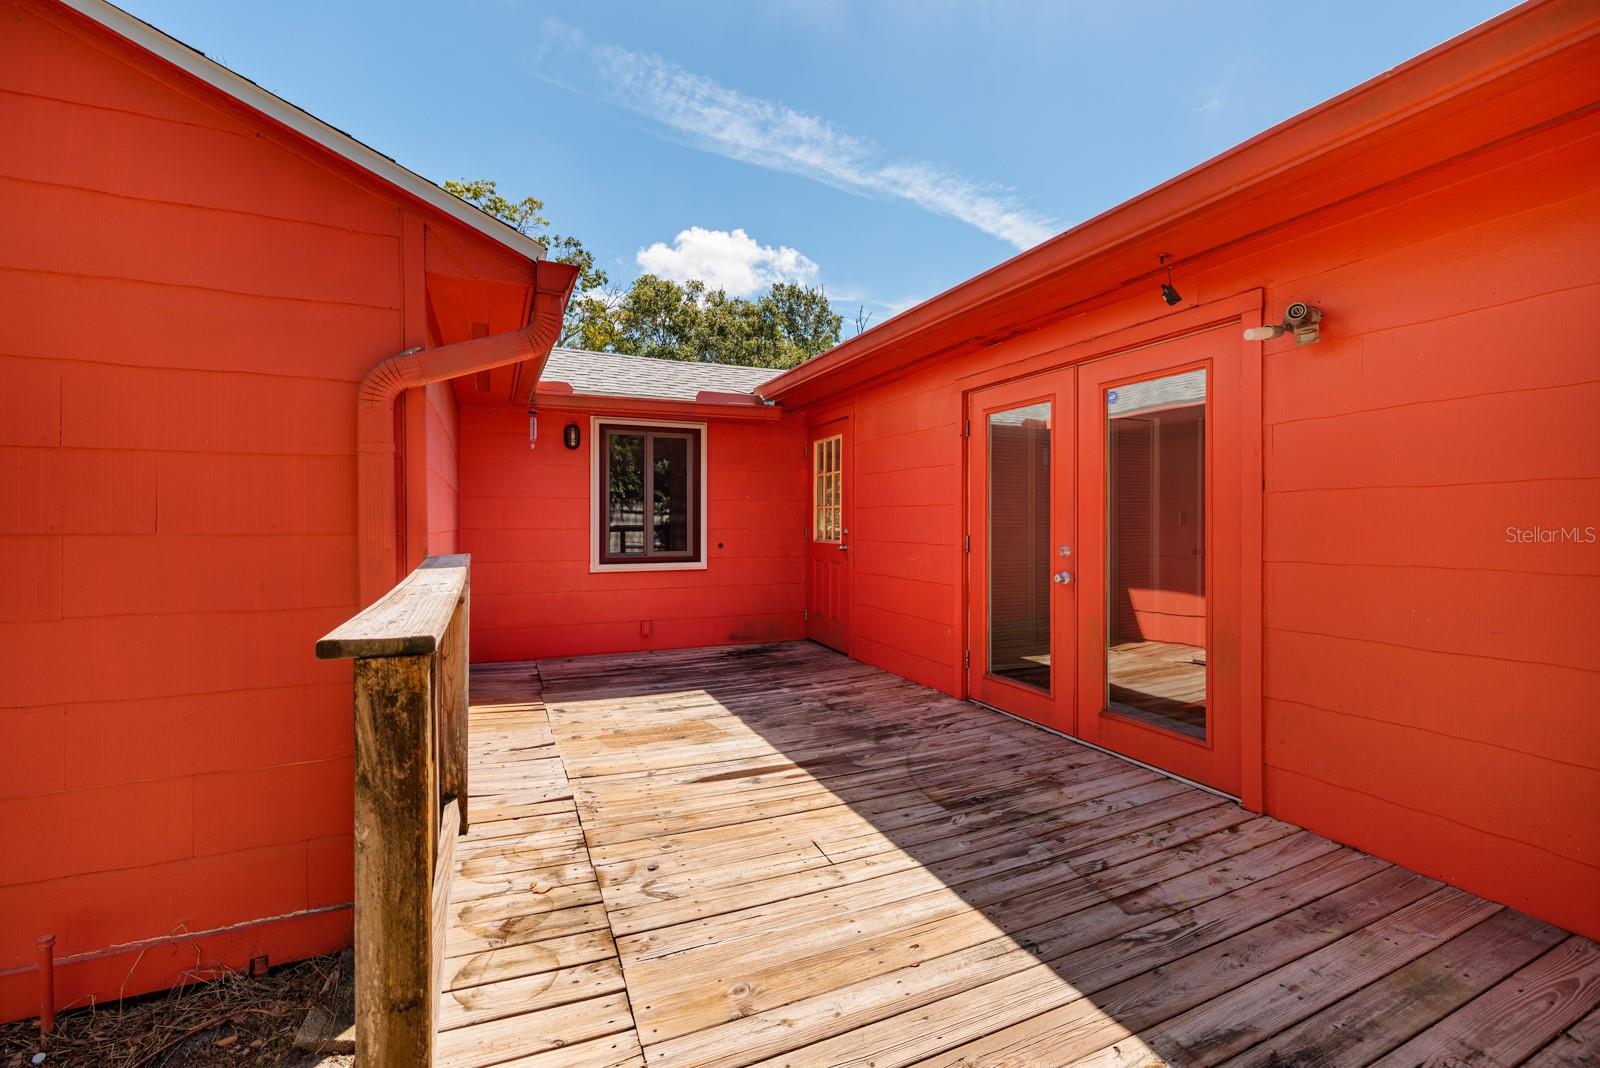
<point>531,975</point>
<point>777,855</point>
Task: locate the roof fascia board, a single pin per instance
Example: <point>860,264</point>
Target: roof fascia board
<point>606,403</point>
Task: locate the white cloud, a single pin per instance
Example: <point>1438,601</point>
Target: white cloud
<point>881,307</point>
<point>770,134</point>
<point>724,259</point>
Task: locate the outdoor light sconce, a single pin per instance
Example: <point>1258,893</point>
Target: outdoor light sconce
<point>1168,292</point>
<point>570,436</point>
<point>1299,319</point>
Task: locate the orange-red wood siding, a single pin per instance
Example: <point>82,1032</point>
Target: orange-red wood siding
<point>188,297</point>
<point>1431,685</point>
<point>525,518</point>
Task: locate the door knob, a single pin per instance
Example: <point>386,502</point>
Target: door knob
<point>843,547</point>
<point>1062,577</point>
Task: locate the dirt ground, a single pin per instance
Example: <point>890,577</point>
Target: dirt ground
<point>233,1020</point>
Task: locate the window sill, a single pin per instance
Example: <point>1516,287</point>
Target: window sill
<point>674,565</point>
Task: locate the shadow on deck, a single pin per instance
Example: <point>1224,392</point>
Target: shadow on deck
<point>777,855</point>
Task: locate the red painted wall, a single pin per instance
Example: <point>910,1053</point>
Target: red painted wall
<point>525,520</point>
<point>1431,686</point>
<point>443,468</point>
<point>187,301</point>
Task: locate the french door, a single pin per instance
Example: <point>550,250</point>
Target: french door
<point>1019,535</point>
<point>1105,554</point>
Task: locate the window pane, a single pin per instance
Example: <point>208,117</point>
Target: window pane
<point>827,489</point>
<point>1155,558</point>
<point>1019,545</point>
<point>625,494</point>
<point>670,522</point>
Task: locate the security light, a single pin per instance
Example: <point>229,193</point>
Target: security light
<point>1168,292</point>
<point>1300,319</point>
<point>1263,333</point>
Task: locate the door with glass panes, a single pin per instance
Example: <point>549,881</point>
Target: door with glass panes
<point>1018,545</point>
<point>1104,553</point>
<point>828,548</point>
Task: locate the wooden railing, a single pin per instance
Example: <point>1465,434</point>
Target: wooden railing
<point>410,653</point>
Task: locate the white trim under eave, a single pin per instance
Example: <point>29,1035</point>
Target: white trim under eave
<point>307,125</point>
<point>598,568</point>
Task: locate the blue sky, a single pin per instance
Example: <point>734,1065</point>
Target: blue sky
<point>886,150</point>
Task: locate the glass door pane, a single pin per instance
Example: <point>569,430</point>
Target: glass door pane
<point>1019,545</point>
<point>1155,552</point>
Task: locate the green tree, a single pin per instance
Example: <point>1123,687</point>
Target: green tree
<point>802,318</point>
<point>657,317</point>
<point>668,320</point>
<point>660,318</point>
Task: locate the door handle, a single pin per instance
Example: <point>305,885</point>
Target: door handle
<point>843,547</point>
<point>1063,577</point>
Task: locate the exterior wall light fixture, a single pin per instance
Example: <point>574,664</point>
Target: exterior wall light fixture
<point>1299,319</point>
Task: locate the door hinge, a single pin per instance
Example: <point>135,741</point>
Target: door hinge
<point>966,428</point>
<point>966,543</point>
<point>966,658</point>
<point>805,615</point>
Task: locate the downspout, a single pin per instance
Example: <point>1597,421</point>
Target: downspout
<point>375,429</point>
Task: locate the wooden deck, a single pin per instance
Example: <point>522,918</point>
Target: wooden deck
<point>779,856</point>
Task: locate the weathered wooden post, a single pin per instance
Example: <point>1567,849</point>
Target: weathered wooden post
<point>411,659</point>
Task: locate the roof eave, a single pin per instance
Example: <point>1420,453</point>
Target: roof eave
<point>197,65</point>
<point>706,405</point>
<point>1491,51</point>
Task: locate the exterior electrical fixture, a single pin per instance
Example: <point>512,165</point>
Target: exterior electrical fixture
<point>570,436</point>
<point>1299,319</point>
<point>1168,293</point>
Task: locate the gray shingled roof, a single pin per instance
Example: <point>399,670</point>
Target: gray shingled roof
<point>609,374</point>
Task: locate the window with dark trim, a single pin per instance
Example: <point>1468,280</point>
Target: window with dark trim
<point>649,494</point>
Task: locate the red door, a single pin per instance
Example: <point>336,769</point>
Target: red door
<point>828,598</point>
<point>1105,553</point>
<point>1159,585</point>
<point>1019,523</point>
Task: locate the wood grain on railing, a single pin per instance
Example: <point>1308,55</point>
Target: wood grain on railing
<point>451,681</point>
<point>411,656</point>
<point>443,869</point>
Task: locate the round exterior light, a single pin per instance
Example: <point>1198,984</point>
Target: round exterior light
<point>570,437</point>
